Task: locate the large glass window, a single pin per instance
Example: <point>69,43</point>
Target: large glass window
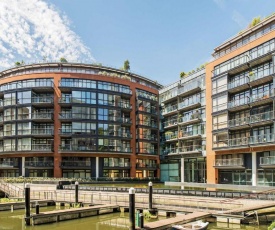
<point>83,97</point>
<point>24,97</point>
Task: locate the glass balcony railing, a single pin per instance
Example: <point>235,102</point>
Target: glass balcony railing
<point>267,161</point>
<point>261,117</point>
<point>115,134</point>
<point>238,141</point>
<point>150,137</point>
<point>38,164</point>
<point>170,151</point>
<point>261,139</point>
<point>191,148</point>
<point>170,123</point>
<point>240,102</point>
<point>144,165</point>
<point>171,136</point>
<point>169,96</point>
<point>35,131</point>
<point>239,122</point>
<point>35,147</point>
<point>190,133</point>
<point>152,124</point>
<point>147,151</point>
<point>45,99</point>
<point>187,103</point>
<point>42,115</point>
<point>8,164</point>
<point>189,86</point>
<point>119,164</point>
<point>71,147</point>
<point>75,164</point>
<point>229,162</point>
<point>234,84</point>
<point>169,109</point>
<point>261,96</point>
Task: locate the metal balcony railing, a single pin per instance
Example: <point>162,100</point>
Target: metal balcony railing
<point>147,151</point>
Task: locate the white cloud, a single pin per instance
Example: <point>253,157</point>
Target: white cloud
<point>33,29</point>
<point>220,3</point>
<point>239,19</point>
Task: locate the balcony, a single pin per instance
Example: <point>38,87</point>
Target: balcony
<point>126,121</point>
<point>148,137</point>
<point>65,132</point>
<point>77,148</point>
<point>146,151</point>
<point>75,164</point>
<point>8,164</point>
<point>253,120</point>
<point>189,104</point>
<point>148,96</point>
<point>262,139</point>
<point>267,162</point>
<point>191,149</point>
<point>42,117</point>
<point>237,142</point>
<point>40,132</point>
<point>186,120</point>
<point>170,151</point>
<point>240,104</point>
<point>151,110</point>
<point>170,123</point>
<point>169,97</point>
<point>262,98</point>
<point>190,134</point>
<point>152,166</point>
<point>44,101</point>
<point>233,163</point>
<point>35,147</point>
<point>238,85</point>
<point>171,136</point>
<point>115,148</point>
<point>170,110</point>
<point>151,124</point>
<point>113,165</point>
<point>112,133</point>
<point>190,88</point>
<point>39,164</point>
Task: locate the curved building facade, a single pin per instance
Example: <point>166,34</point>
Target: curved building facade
<point>78,120</point>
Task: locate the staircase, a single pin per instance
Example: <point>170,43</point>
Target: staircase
<point>11,190</point>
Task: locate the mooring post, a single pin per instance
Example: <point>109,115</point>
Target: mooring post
<point>76,191</point>
<point>27,205</point>
<point>141,218</point>
<point>132,208</point>
<point>150,184</point>
<point>36,207</point>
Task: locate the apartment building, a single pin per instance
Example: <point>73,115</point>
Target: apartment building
<point>78,120</point>
<point>183,129</point>
<point>240,113</point>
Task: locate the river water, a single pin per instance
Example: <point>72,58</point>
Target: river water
<point>15,221</point>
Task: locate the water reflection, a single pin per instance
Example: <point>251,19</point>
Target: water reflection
<point>114,221</point>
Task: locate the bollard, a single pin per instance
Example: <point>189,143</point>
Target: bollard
<point>27,205</point>
<point>132,208</point>
<point>36,208</point>
<point>150,184</point>
<point>76,191</point>
<point>141,218</point>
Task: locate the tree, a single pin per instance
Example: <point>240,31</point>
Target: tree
<point>182,74</point>
<point>255,21</point>
<point>126,66</point>
<point>62,59</point>
<point>18,63</point>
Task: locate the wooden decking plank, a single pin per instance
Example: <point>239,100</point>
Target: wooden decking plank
<point>250,208</point>
<point>181,219</point>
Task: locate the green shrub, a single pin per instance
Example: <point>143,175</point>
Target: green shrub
<point>272,226</point>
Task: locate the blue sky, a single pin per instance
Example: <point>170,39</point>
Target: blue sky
<point>160,38</point>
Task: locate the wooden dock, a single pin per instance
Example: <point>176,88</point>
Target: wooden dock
<point>180,219</point>
<point>74,213</point>
<point>249,208</point>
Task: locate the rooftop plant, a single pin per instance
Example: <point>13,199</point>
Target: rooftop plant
<point>62,59</point>
<point>126,65</point>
